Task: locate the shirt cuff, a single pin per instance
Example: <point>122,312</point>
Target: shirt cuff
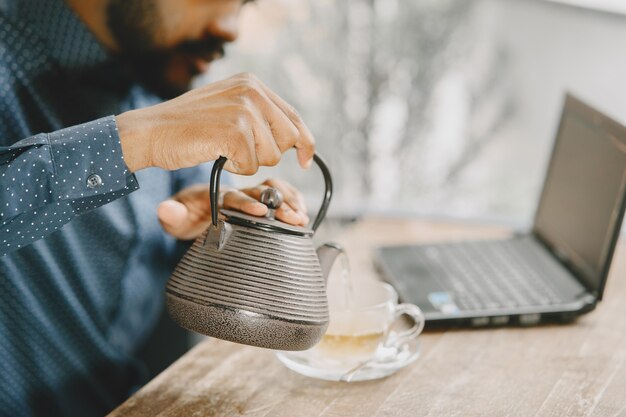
<point>88,161</point>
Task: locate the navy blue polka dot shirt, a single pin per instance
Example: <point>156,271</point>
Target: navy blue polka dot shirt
<point>83,259</point>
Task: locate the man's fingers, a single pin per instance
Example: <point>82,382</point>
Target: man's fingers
<point>305,142</point>
<point>254,192</point>
<point>292,210</point>
<point>241,146</point>
<point>269,133</point>
<point>291,195</point>
<point>172,213</point>
<point>238,200</point>
<point>272,124</point>
<point>298,196</point>
<point>239,118</point>
<point>287,214</point>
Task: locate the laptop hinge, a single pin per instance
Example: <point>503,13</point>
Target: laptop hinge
<point>562,259</point>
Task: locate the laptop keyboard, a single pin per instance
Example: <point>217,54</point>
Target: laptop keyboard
<point>492,274</point>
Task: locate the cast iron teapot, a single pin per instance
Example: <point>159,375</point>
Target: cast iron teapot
<point>255,280</point>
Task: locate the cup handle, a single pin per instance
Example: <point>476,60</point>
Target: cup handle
<point>396,340</point>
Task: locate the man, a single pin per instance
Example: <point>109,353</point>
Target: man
<point>84,256</point>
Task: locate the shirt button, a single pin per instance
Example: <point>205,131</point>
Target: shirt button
<point>94,181</point>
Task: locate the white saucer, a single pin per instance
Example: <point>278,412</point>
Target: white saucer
<point>386,362</point>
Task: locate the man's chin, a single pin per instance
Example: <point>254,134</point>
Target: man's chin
<point>166,88</point>
<point>170,76</point>
<point>168,91</point>
<point>166,81</point>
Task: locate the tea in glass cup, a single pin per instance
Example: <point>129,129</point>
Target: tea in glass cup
<point>359,343</point>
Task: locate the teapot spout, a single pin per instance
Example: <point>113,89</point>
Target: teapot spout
<point>327,253</point>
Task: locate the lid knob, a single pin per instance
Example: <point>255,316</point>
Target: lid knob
<point>272,198</point>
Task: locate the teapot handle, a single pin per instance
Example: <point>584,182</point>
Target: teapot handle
<point>214,189</point>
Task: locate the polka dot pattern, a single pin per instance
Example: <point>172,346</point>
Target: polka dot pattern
<point>44,173</point>
<point>83,268</point>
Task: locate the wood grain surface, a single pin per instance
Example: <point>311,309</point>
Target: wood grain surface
<point>567,370</point>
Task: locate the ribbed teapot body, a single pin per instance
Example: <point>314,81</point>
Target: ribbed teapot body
<point>261,288</point>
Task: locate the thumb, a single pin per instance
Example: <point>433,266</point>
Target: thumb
<point>172,213</point>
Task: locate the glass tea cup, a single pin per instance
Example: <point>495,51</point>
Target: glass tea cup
<point>361,342</point>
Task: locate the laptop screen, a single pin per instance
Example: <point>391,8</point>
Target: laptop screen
<point>581,206</point>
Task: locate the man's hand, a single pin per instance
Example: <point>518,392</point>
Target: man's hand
<point>239,118</point>
<point>188,213</point>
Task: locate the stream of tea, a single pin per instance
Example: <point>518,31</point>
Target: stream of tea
<point>346,278</point>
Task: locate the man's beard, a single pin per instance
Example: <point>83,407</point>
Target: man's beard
<point>166,72</point>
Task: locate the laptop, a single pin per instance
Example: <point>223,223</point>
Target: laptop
<point>555,272</point>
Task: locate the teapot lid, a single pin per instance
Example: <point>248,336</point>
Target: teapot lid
<point>268,224</point>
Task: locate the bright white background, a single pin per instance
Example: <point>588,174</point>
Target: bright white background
<point>435,107</point>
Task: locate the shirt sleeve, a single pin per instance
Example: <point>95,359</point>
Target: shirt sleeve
<point>47,179</point>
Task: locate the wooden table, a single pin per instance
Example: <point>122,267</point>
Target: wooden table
<point>567,370</point>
